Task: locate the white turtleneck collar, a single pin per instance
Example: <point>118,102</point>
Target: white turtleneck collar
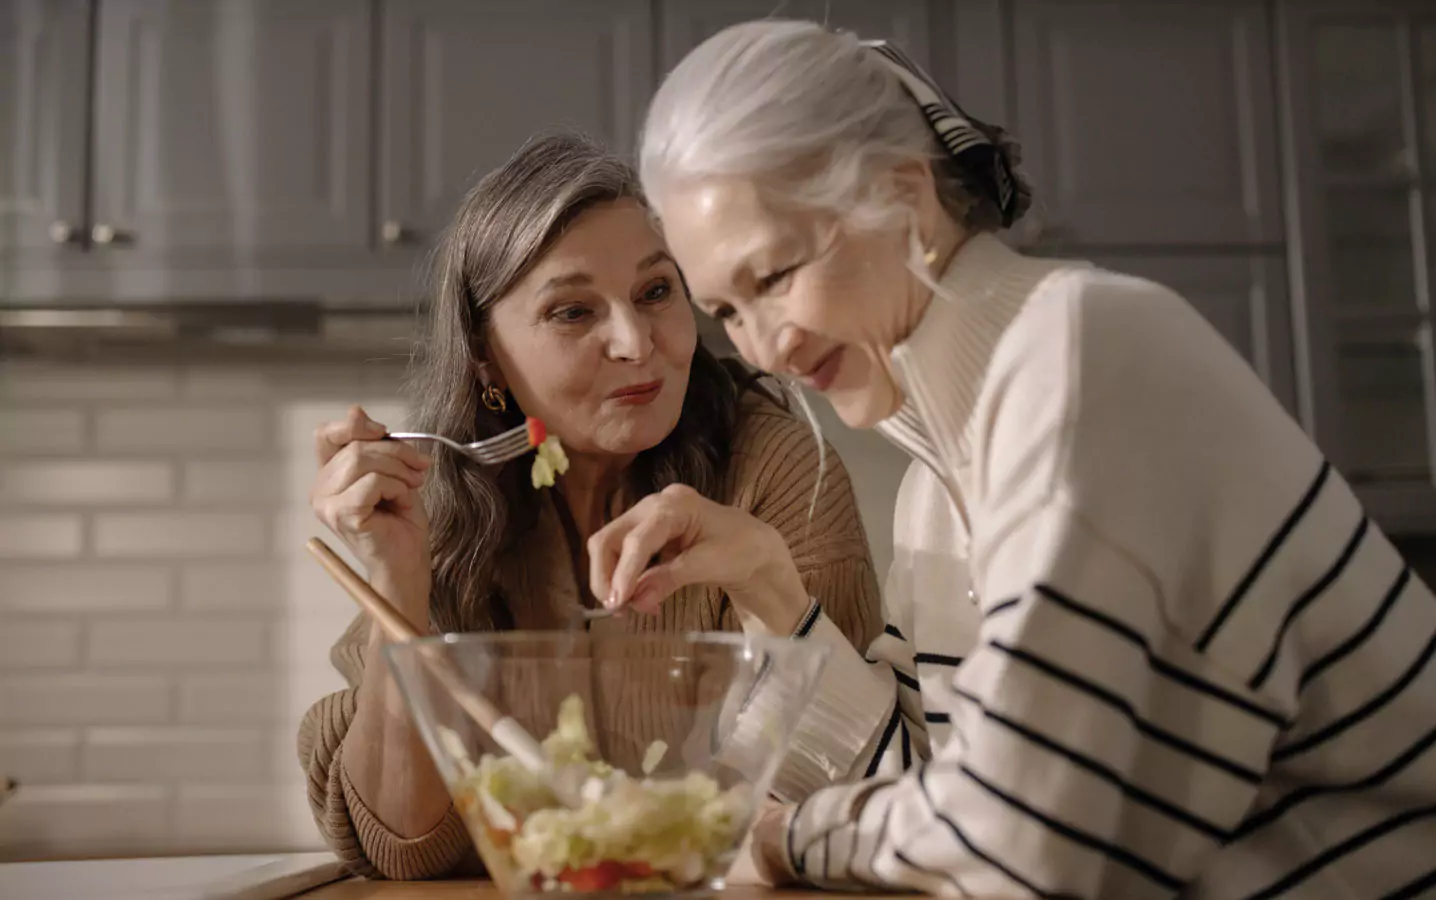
<point>942,365</point>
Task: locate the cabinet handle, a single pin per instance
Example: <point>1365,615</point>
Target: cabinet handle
<point>394,232</point>
<point>109,234</point>
<point>62,232</point>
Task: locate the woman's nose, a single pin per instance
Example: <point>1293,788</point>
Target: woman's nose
<point>630,336</point>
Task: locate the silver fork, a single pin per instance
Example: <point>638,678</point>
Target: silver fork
<point>492,451</point>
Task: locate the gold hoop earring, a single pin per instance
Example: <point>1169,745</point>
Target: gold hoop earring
<point>494,399</point>
<point>929,256</point>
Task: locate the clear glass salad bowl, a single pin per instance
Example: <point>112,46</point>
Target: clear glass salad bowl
<point>675,740</point>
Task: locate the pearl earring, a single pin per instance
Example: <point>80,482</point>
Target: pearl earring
<point>929,256</point>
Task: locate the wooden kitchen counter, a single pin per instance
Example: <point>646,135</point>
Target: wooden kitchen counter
<point>359,889</point>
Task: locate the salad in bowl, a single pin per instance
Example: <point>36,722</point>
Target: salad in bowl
<point>675,740</point>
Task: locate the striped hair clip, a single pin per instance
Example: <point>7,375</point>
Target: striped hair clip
<point>981,162</point>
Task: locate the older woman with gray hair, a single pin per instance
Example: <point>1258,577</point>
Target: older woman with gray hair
<point>556,298</point>
<point>1200,669</point>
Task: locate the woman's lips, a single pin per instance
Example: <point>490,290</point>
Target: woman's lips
<point>821,376</point>
<point>638,394</point>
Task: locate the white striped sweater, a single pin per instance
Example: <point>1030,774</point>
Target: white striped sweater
<point>1200,671</point>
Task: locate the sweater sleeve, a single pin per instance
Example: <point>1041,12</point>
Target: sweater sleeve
<point>363,843</point>
<point>1095,751</point>
<point>1081,762</point>
<point>865,716</point>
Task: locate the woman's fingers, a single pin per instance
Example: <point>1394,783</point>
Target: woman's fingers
<point>362,457</point>
<point>352,508</point>
<point>384,457</point>
<point>702,563</point>
<point>331,437</point>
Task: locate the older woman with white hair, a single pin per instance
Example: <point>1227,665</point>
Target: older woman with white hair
<point>1200,670</point>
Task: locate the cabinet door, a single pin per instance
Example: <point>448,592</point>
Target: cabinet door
<point>1149,122</point>
<point>1244,297</point>
<point>466,84</point>
<point>687,23</point>
<point>227,128</point>
<point>44,109</point>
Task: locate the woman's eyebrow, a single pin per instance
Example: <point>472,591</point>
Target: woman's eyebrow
<point>571,279</point>
<point>654,259</point>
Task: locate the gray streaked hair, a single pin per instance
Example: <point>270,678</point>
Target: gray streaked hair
<point>506,223</point>
<point>809,114</point>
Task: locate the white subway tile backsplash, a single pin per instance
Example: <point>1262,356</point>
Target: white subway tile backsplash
<point>40,536</point>
<point>237,586</point>
<point>162,535</point>
<point>39,644</point>
<point>41,430</point>
<point>64,381</point>
<point>237,482</point>
<point>247,698</point>
<point>179,430</point>
<point>224,382</point>
<point>40,755</point>
<point>239,818</point>
<point>178,642</point>
<point>173,754</point>
<point>89,482</point>
<point>76,587</point>
<point>115,820</point>
<point>161,629</point>
<point>84,699</point>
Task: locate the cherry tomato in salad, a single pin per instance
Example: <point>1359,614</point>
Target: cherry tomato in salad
<point>604,876</point>
<point>537,432</point>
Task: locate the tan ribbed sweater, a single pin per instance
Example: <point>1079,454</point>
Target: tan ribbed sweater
<point>772,475</point>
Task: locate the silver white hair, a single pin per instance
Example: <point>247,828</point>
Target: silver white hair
<point>808,113</point>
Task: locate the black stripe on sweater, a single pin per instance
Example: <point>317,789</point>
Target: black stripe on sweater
<point>1001,607</point>
<point>1310,594</point>
<point>891,631</point>
<point>1415,888</point>
<point>1121,704</point>
<point>885,741</point>
<point>973,849</point>
<point>810,618</point>
<point>905,679</point>
<point>906,747</point>
<point>1332,854</point>
<point>1257,821</point>
<point>937,718</point>
<point>1361,713</point>
<point>1112,851</point>
<point>1269,551</point>
<point>931,873</point>
<point>1157,664</point>
<point>936,659</point>
<point>1367,630</point>
<point>1102,771</point>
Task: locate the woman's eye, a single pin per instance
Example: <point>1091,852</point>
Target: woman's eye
<point>725,314</point>
<point>771,282</point>
<point>569,314</point>
<point>657,292</point>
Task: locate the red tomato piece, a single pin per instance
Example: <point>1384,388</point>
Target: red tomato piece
<point>604,876</point>
<point>537,432</point>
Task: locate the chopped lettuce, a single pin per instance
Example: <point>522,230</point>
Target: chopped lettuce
<point>637,835</point>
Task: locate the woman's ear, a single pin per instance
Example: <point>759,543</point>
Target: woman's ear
<point>913,185</point>
<point>487,372</point>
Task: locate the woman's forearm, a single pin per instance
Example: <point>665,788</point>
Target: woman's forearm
<point>384,757</point>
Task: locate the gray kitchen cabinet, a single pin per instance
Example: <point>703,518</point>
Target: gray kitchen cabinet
<point>44,116</point>
<point>232,130</point>
<point>1245,298</point>
<point>1359,101</point>
<point>1148,122</point>
<point>687,23</point>
<point>464,85</point>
